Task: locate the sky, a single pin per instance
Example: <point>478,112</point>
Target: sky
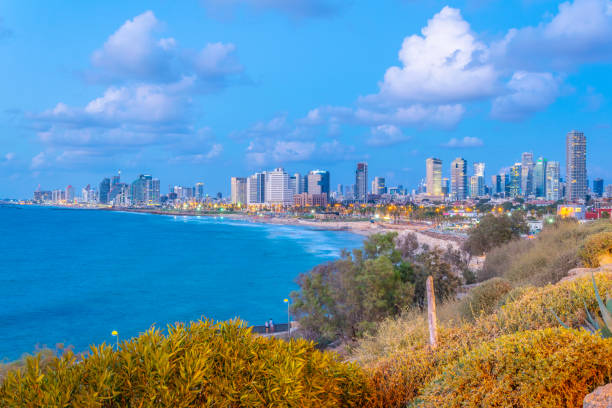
<point>202,90</point>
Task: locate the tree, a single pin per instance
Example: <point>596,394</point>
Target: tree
<point>495,230</point>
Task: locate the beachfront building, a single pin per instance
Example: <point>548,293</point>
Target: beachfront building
<point>277,188</point>
<point>145,190</point>
<point>311,200</point>
<point>318,182</point>
<point>256,188</point>
<point>239,190</point>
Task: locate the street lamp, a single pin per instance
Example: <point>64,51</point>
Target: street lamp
<point>116,335</point>
<point>288,318</point>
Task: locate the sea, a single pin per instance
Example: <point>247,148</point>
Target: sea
<point>73,276</point>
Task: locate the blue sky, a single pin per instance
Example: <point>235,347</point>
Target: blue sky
<point>203,90</point>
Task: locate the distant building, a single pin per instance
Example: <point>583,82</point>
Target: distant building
<point>459,185</point>
<point>256,188</point>
<point>318,182</point>
<point>239,190</point>
<point>378,186</point>
<point>477,186</point>
<point>553,185</point>
<point>277,188</point>
<point>497,183</point>
<point>70,194</point>
<point>199,191</point>
<point>434,176</point>
<point>527,164</point>
<point>576,172</point>
<point>145,190</point>
<point>515,180</point>
<point>598,187</point>
<point>104,189</point>
<point>539,178</point>
<point>361,182</point>
<point>608,191</point>
<point>307,199</point>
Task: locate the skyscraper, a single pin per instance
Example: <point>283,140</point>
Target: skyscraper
<point>256,188</point>
<point>553,187</point>
<point>104,190</point>
<point>515,180</point>
<point>318,182</point>
<point>361,182</point>
<point>239,190</point>
<point>576,176</point>
<point>477,186</point>
<point>459,179</point>
<point>378,186</point>
<point>539,178</point>
<point>598,187</point>
<point>199,187</point>
<point>145,190</point>
<point>526,174</point>
<point>434,176</point>
<point>277,187</point>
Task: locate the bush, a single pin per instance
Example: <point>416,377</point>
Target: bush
<point>547,259</point>
<point>484,298</point>
<point>597,249</point>
<point>495,230</point>
<point>542,368</point>
<point>204,364</point>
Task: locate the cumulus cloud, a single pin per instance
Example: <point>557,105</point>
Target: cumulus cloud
<point>465,142</point>
<point>580,32</point>
<point>528,92</point>
<point>446,64</point>
<point>386,135</point>
<point>137,52</point>
<point>294,8</point>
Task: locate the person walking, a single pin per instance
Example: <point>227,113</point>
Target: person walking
<point>271,326</point>
<point>267,327</point>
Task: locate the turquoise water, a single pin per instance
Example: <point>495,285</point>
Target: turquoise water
<point>72,276</point>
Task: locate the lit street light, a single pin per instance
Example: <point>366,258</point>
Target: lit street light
<point>288,318</point>
<point>116,335</point>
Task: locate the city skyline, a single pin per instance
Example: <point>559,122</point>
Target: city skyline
<point>202,92</point>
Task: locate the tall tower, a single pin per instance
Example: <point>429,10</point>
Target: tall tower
<point>539,178</point>
<point>527,173</point>
<point>434,176</point>
<point>318,182</point>
<point>576,176</point>
<point>361,182</point>
<point>553,188</point>
<point>459,179</point>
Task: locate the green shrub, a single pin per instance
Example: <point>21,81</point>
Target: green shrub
<point>597,249</point>
<point>542,368</point>
<point>484,298</point>
<point>204,364</point>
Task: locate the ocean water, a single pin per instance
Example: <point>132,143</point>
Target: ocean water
<point>73,276</point>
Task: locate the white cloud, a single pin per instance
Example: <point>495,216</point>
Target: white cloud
<point>136,52</point>
<point>444,65</point>
<point>465,142</point>
<point>386,135</point>
<point>38,161</point>
<point>9,156</point>
<point>580,32</point>
<point>528,92</point>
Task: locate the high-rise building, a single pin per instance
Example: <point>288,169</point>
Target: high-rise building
<point>340,190</point>
<point>526,174</point>
<point>277,187</point>
<point>608,191</point>
<point>256,188</point>
<point>378,186</point>
<point>497,182</point>
<point>539,178</point>
<point>479,169</point>
<point>298,183</point>
<point>434,176</point>
<point>598,187</point>
<point>515,180</point>
<point>199,189</point>
<point>553,187</point>
<point>69,194</point>
<point>318,182</point>
<point>104,190</point>
<point>361,182</point>
<point>116,179</point>
<point>576,176</point>
<point>239,190</point>
<point>477,186</point>
<point>459,185</point>
<point>145,190</point>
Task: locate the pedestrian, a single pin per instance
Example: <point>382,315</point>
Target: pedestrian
<point>267,326</point>
<point>271,326</point>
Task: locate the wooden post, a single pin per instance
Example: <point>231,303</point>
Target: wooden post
<point>431,313</point>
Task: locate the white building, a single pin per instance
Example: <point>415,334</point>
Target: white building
<point>256,188</point>
<point>277,188</point>
<point>239,190</point>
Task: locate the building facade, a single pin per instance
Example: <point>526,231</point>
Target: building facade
<point>239,190</point>
<point>459,181</point>
<point>256,189</point>
<point>553,185</point>
<point>576,172</point>
<point>277,188</point>
<point>539,178</point>
<point>361,182</point>
<point>526,174</point>
<point>434,176</point>
<point>318,182</point>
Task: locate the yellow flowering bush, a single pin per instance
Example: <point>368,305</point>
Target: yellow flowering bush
<point>484,298</point>
<point>203,364</point>
<point>539,368</point>
<point>597,249</point>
